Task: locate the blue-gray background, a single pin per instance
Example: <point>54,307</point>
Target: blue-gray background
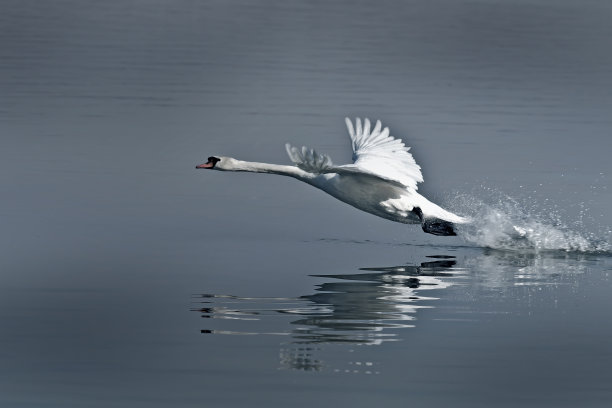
<point>108,234</point>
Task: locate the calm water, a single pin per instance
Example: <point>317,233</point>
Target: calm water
<point>129,279</point>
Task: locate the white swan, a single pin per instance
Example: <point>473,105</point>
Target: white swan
<point>382,179</point>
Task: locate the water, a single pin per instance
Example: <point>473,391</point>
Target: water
<point>130,279</point>
<point>502,222</point>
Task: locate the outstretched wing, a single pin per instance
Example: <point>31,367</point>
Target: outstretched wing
<point>375,152</point>
<point>308,159</point>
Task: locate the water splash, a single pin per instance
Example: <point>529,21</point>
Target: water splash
<point>506,223</point>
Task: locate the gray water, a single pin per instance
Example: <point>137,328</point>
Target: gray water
<point>129,279</point>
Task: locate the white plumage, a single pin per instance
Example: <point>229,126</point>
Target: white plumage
<point>382,180</point>
<point>381,154</point>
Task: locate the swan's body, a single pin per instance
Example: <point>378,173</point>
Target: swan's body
<point>382,180</point>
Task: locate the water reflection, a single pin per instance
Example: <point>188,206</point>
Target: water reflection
<point>377,304</point>
<point>504,270</point>
<point>363,308</point>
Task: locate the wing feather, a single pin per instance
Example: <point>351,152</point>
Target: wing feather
<point>308,159</point>
<point>375,154</point>
<point>378,153</point>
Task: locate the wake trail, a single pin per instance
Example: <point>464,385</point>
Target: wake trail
<point>505,223</point>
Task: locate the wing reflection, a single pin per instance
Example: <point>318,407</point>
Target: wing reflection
<point>363,308</point>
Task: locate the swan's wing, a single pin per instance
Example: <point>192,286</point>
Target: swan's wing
<point>308,159</point>
<point>377,153</point>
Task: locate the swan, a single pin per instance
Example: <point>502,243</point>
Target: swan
<point>382,180</point>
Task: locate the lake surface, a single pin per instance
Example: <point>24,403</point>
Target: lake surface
<point>129,279</point>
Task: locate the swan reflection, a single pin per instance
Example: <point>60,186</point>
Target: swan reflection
<point>375,305</point>
<point>362,308</point>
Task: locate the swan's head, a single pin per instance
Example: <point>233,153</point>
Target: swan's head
<point>218,163</point>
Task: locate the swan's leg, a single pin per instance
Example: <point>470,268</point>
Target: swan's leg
<point>438,227</point>
<point>435,226</point>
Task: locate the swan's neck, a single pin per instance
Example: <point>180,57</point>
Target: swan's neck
<point>254,167</point>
